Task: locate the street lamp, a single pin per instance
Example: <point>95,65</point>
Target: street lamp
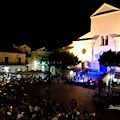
<point>50,63</point>
<point>49,86</point>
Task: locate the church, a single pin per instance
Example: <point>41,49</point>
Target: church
<point>104,35</point>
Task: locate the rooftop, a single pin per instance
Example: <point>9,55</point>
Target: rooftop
<point>9,49</point>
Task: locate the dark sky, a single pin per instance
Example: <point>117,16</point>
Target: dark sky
<point>53,24</point>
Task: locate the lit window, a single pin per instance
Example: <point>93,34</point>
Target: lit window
<point>52,69</point>
<point>43,68</point>
<point>7,69</point>
<point>39,55</point>
<point>18,69</point>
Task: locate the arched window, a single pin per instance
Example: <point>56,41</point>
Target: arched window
<point>106,40</point>
<point>102,40</point>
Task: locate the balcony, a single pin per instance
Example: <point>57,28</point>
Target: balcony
<point>12,63</point>
<point>44,58</point>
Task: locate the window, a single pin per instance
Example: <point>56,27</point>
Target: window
<point>19,60</point>
<point>39,55</point>
<point>52,70</point>
<point>106,40</point>
<point>40,62</point>
<point>18,69</point>
<point>43,68</point>
<point>26,62</point>
<point>6,60</point>
<point>102,40</point>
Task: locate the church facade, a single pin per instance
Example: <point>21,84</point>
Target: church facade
<point>104,35</point>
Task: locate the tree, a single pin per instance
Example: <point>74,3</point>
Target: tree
<point>62,59</point>
<point>108,58</point>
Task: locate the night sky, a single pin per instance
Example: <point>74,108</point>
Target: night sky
<point>52,24</point>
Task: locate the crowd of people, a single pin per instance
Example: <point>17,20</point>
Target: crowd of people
<point>104,97</point>
<point>16,104</point>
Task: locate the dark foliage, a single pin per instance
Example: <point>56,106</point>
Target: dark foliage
<point>118,59</point>
<point>110,58</point>
<point>62,59</point>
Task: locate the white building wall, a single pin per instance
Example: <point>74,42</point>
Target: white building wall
<point>106,24</point>
<point>117,44</point>
<point>79,46</point>
<point>99,49</point>
<point>101,25</point>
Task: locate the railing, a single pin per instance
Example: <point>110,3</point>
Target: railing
<point>12,63</point>
<point>28,56</point>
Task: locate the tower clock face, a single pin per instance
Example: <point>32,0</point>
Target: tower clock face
<point>83,51</point>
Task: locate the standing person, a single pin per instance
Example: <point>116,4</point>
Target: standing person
<point>74,104</point>
<point>47,89</point>
<point>58,79</point>
<point>100,86</point>
<point>69,115</point>
<point>71,105</point>
<point>109,86</point>
<point>74,114</point>
<point>85,78</point>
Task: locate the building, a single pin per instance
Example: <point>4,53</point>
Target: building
<point>104,35</point>
<point>11,60</point>
<point>36,60</point>
<point>27,50</point>
<point>24,48</point>
<point>39,60</point>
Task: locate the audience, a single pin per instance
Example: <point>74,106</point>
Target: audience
<point>15,104</point>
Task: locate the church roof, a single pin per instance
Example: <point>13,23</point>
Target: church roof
<point>9,49</point>
<point>114,35</point>
<point>117,36</point>
<point>70,46</point>
<point>105,8</point>
<point>87,35</point>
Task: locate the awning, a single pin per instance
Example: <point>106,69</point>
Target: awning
<point>29,72</point>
